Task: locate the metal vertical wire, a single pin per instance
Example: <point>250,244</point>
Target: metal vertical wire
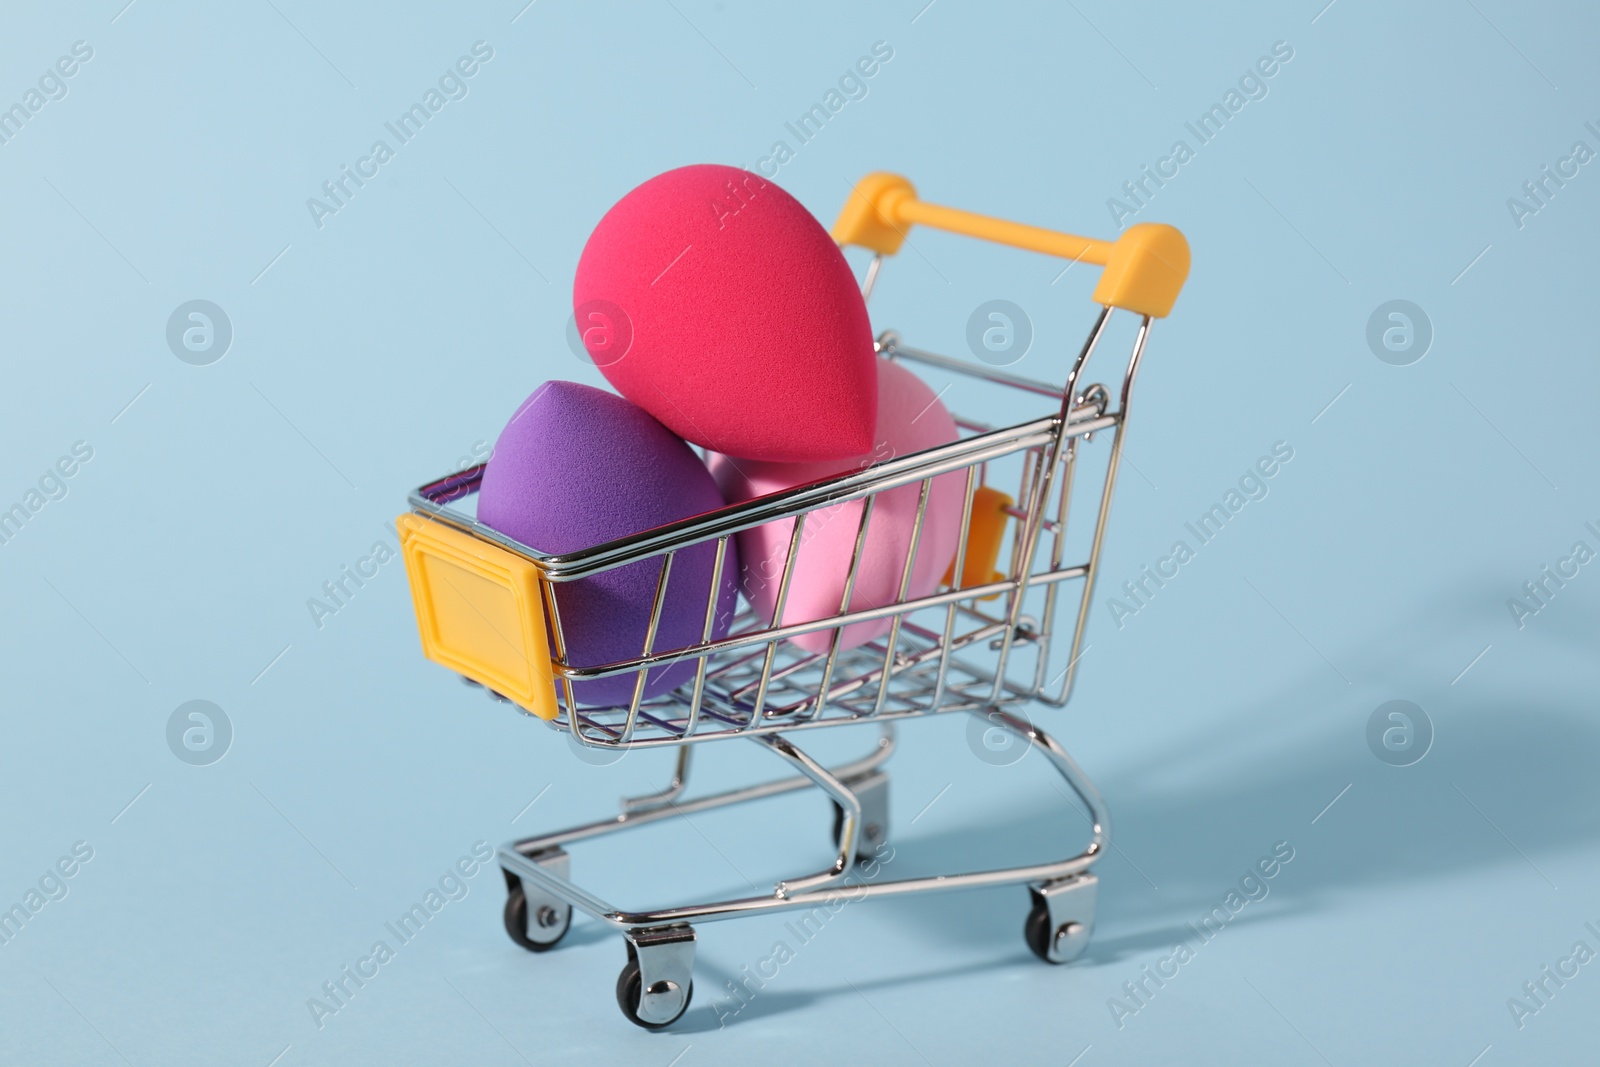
<point>713,600</point>
<point>844,605</point>
<point>782,601</point>
<point>958,580</point>
<point>656,604</point>
<point>1105,507</point>
<point>1028,535</point>
<point>905,591</point>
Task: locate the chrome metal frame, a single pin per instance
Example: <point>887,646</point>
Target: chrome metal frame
<point>916,670</point>
<point>945,651</point>
<point>522,857</point>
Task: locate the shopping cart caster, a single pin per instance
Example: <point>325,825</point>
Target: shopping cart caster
<point>655,987</point>
<point>536,920</point>
<point>1062,919</point>
<point>873,792</point>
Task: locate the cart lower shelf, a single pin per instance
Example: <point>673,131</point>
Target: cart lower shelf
<point>656,984</point>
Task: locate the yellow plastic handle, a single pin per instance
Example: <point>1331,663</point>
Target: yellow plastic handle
<point>1145,267</point>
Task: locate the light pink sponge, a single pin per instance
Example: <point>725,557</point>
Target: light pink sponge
<point>910,419</point>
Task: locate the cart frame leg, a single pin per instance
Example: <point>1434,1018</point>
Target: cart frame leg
<point>809,890</point>
<point>842,795</point>
<point>665,797</point>
<point>655,987</point>
<point>872,790</point>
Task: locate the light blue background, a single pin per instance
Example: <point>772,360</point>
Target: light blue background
<point>379,349</point>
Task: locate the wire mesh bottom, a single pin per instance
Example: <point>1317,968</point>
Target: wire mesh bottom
<point>855,690</point>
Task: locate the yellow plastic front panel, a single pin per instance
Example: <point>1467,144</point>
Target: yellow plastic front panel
<point>479,611</point>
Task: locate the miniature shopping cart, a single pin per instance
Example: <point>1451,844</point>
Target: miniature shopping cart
<point>489,608</point>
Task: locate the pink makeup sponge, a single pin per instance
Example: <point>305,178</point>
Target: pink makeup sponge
<point>715,301</point>
<point>910,419</point>
<point>576,466</point>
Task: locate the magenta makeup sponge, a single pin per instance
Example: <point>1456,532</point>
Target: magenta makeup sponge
<point>576,466</point>
<point>715,301</point>
<point>910,419</point>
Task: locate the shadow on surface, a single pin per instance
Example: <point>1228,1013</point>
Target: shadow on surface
<point>721,1008</point>
<point>1502,785</point>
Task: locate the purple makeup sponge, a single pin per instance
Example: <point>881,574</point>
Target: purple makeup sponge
<point>575,467</point>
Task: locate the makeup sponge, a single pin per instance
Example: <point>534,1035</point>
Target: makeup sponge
<point>575,467</point>
<point>715,301</point>
<point>910,419</point>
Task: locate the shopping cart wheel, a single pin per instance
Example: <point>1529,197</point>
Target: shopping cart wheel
<point>873,792</point>
<point>658,998</point>
<point>1061,920</point>
<point>550,923</point>
<point>536,920</point>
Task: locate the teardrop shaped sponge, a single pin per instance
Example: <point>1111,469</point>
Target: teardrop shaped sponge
<point>715,301</point>
<point>577,466</point>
